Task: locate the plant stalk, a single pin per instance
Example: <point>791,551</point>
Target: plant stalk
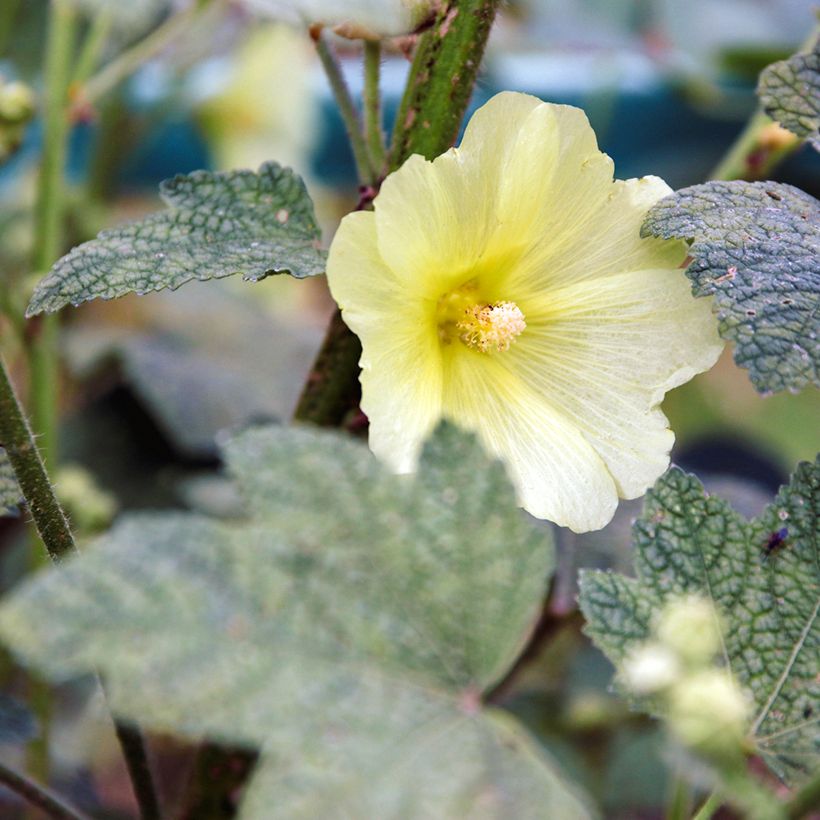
<point>373,107</point>
<point>428,122</point>
<point>124,65</point>
<point>709,807</point>
<point>347,107</point>
<point>39,796</point>
<point>52,525</point>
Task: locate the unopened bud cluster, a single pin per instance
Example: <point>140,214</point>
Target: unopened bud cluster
<point>706,709</point>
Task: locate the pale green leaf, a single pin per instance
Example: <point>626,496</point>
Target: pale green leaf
<point>9,490</point>
<point>763,578</point>
<point>353,618</point>
<point>756,251</point>
<point>216,225</point>
<point>789,92</point>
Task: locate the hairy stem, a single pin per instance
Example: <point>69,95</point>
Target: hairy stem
<point>51,523</point>
<point>39,796</point>
<point>373,106</point>
<point>451,48</point>
<point>441,79</point>
<point>347,108</point>
<point>17,439</point>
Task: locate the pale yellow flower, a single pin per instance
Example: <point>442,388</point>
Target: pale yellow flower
<point>504,286</point>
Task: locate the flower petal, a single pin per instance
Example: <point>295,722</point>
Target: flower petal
<point>401,364</point>
<point>610,243</point>
<point>605,352</point>
<point>558,475</point>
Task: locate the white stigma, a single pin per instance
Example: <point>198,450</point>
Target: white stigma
<point>490,328</point>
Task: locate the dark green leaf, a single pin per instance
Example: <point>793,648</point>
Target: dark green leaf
<point>762,576</point>
<point>756,250</point>
<point>9,491</point>
<point>789,91</point>
<point>216,225</point>
<point>349,626</point>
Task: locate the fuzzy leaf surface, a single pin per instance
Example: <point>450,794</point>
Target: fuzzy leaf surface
<point>216,225</point>
<point>767,599</point>
<point>10,495</point>
<point>756,249</point>
<point>789,91</point>
<point>348,625</point>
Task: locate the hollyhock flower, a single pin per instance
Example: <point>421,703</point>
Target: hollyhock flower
<point>504,286</point>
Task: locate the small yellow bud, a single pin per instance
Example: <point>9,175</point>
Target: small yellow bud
<point>709,713</point>
<point>650,668</point>
<point>774,136</point>
<point>16,103</point>
<point>689,627</point>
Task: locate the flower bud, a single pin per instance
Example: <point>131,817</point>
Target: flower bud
<point>650,668</point>
<point>709,713</point>
<point>689,627</point>
<point>16,103</point>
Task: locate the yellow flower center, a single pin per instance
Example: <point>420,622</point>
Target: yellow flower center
<point>479,325</point>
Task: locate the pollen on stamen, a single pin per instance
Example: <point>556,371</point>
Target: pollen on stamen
<point>488,328</point>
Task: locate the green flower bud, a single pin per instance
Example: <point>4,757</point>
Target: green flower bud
<point>709,713</point>
<point>689,627</point>
<point>17,103</point>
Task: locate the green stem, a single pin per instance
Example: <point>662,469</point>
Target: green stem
<point>806,800</point>
<point>17,439</point>
<point>752,155</point>
<point>452,48</point>
<point>35,794</point>
<point>49,519</point>
<point>48,215</point>
<point>347,108</point>
<point>124,65</point>
<point>679,804</point>
<point>709,807</point>
<point>373,106</point>
<point>441,79</point>
<point>92,48</point>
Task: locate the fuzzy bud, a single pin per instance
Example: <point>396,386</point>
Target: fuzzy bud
<point>709,713</point>
<point>689,627</point>
<point>649,669</point>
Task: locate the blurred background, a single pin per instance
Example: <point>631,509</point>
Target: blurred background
<point>148,383</point>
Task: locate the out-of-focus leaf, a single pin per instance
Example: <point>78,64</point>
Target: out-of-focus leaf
<point>10,495</point>
<point>756,250</point>
<point>205,361</point>
<point>349,626</point>
<point>789,91</point>
<point>216,225</point>
<point>763,579</point>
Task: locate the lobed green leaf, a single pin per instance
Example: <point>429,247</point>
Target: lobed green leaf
<point>756,249</point>
<point>216,225</point>
<point>349,625</point>
<point>789,92</point>
<point>763,578</point>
